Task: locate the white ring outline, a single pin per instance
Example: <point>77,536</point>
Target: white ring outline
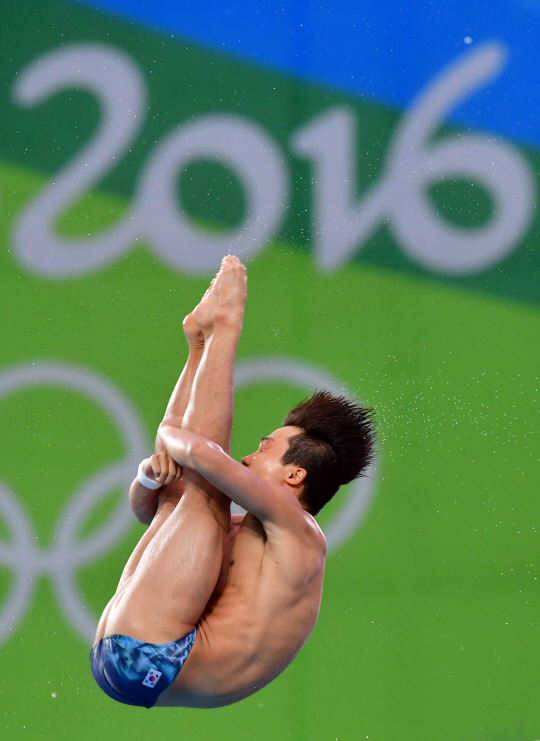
<point>60,561</point>
<point>299,373</point>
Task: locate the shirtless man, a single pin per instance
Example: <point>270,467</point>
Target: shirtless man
<point>210,608</point>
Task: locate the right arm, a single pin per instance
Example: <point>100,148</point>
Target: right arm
<point>274,505</point>
<point>162,469</point>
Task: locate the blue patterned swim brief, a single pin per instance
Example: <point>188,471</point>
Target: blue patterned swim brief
<point>135,672</point>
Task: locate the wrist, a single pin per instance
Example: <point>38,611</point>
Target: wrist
<point>145,480</point>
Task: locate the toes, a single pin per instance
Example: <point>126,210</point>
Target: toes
<point>232,263</point>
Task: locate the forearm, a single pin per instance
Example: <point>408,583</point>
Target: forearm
<point>143,502</point>
<point>227,475</point>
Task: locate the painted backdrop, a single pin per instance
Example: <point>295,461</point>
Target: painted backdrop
<point>377,169</point>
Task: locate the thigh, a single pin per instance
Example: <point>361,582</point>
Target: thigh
<point>176,574</point>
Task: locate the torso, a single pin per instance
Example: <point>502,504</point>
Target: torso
<point>261,613</point>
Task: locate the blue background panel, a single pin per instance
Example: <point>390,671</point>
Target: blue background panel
<point>388,51</point>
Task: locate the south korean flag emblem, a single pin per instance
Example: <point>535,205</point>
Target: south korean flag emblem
<point>151,678</point>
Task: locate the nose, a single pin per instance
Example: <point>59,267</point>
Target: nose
<point>246,460</point>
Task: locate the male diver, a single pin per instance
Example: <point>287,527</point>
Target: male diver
<point>211,608</point>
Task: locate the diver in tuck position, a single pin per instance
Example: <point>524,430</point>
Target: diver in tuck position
<point>210,608</point>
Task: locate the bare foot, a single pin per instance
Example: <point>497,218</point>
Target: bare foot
<point>224,301</point>
<point>194,336</point>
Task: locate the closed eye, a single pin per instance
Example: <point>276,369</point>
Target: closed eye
<point>264,440</point>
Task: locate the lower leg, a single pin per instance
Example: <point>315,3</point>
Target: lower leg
<point>219,317</point>
<point>210,409</point>
<point>179,567</point>
<point>169,496</point>
<point>209,413</point>
<point>180,396</point>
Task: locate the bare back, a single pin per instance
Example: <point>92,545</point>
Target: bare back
<point>261,613</point>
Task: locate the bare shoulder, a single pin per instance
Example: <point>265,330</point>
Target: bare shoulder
<point>315,532</point>
<point>293,520</point>
<point>314,546</point>
<point>298,547</point>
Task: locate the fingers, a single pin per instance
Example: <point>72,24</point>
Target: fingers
<point>174,471</point>
<point>162,468</point>
<point>148,468</point>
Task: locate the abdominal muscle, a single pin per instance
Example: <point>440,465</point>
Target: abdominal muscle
<point>254,625</point>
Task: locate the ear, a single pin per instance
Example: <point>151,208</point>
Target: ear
<point>296,476</point>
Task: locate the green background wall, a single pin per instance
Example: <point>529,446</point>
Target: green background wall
<point>428,627</point>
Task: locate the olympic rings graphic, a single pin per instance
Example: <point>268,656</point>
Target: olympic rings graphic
<point>27,561</point>
<point>21,554</point>
<point>299,373</point>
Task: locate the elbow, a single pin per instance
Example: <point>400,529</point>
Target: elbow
<point>166,430</point>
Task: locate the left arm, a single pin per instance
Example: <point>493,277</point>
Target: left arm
<point>162,469</point>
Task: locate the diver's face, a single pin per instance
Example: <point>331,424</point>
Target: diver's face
<point>266,461</point>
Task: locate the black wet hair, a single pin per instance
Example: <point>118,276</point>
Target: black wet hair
<point>336,445</point>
